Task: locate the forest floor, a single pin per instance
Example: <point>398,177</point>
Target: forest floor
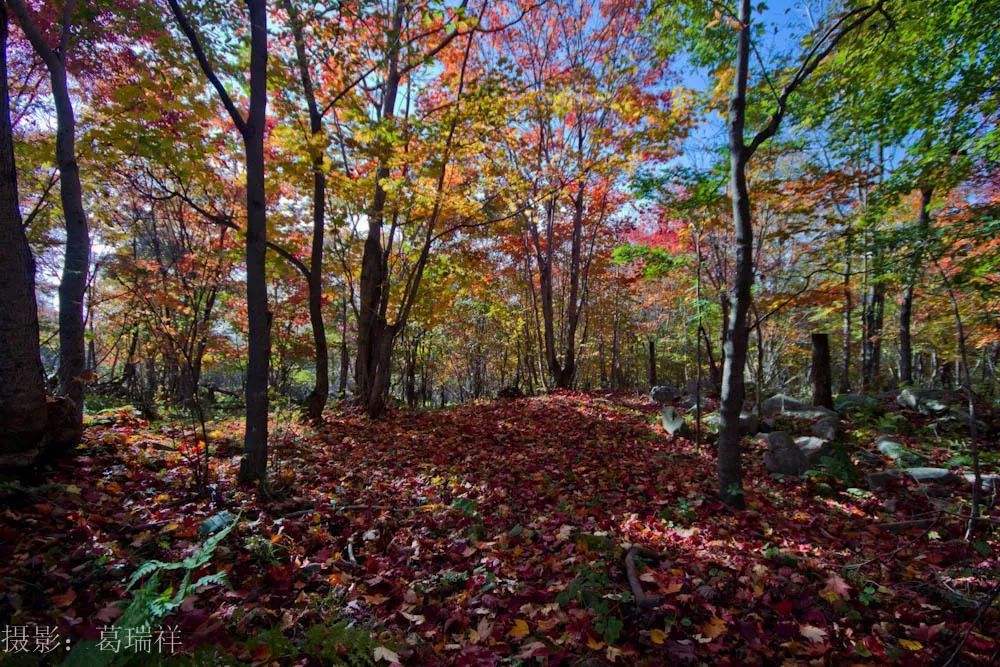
<point>496,533</point>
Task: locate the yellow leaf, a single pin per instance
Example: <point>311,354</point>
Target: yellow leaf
<point>520,629</point>
<point>715,627</point>
<point>910,645</point>
<point>594,644</point>
<point>657,636</point>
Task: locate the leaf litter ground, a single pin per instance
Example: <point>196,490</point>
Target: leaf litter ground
<point>496,533</point>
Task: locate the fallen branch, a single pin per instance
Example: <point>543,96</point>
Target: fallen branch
<point>642,600</point>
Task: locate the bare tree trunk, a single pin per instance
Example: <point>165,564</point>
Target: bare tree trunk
<point>253,466</point>
<point>821,374</point>
<point>906,302</point>
<point>966,381</point>
<point>845,366</point>
<point>22,382</point>
<point>345,363</point>
<point>871,346</point>
<point>317,398</point>
<point>76,262</point>
<point>375,337</point>
<point>734,362</point>
<point>652,362</point>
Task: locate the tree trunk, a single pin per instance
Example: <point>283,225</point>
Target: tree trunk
<point>375,337</point>
<point>22,381</point>
<point>253,466</point>
<point>845,366</point>
<point>76,260</point>
<point>821,374</point>
<point>652,362</point>
<point>734,361</point>
<point>345,363</point>
<point>906,302</point>
<point>317,398</point>
<point>871,346</point>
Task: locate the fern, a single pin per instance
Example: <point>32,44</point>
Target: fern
<point>149,604</point>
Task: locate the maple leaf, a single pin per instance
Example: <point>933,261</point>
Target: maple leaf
<point>715,627</point>
<point>520,629</point>
<point>910,645</point>
<point>836,588</point>
<point>812,633</point>
<point>382,653</point>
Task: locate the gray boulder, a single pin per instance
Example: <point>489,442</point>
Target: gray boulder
<point>783,455</point>
<point>858,402</point>
<point>672,422</point>
<point>814,448</point>
<point>927,401</point>
<point>749,423</point>
<point>931,475</point>
<point>899,453</point>
<point>663,393</point>
<point>988,482</point>
<point>781,403</point>
<point>826,428</point>
<point>881,479</point>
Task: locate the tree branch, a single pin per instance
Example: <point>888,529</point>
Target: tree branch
<point>206,67</point>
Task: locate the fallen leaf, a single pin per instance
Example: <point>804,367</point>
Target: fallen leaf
<point>520,629</point>
<point>812,633</point>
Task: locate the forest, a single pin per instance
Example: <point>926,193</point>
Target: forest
<point>499,332</point>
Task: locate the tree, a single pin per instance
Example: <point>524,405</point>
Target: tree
<point>251,127</point>
<point>76,262</point>
<point>22,384</point>
<point>819,45</point>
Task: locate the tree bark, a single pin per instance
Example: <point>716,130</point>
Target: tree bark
<point>652,362</point>
<point>906,302</point>
<point>821,374</point>
<point>375,336</point>
<point>871,346</point>
<point>76,261</point>
<point>734,362</point>
<point>845,366</point>
<point>253,466</point>
<point>22,381</point>
<point>317,398</point>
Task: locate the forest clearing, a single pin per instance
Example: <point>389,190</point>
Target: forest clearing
<point>499,332</point>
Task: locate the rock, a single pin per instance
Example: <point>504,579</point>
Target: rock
<point>783,455</point>
<point>927,401</point>
<point>663,393</point>
<point>858,403</point>
<point>814,448</point>
<point>215,523</point>
<point>988,482</point>
<point>881,479</point>
<point>958,418</point>
<point>898,452</point>
<point>826,428</point>
<point>749,423</point>
<point>781,403</point>
<point>817,412</point>
<point>673,423</point>
<point>930,475</point>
